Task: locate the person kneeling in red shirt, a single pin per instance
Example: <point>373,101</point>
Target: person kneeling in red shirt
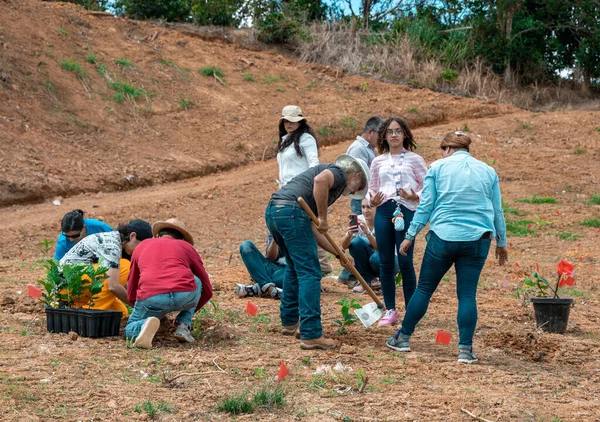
<point>167,275</point>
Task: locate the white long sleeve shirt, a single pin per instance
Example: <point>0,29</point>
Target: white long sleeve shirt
<point>291,165</point>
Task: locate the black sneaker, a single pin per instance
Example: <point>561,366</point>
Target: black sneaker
<point>398,344</point>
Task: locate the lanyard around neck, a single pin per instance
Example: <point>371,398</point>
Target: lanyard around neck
<point>397,173</point>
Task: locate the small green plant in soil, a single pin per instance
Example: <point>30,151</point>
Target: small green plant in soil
<point>185,103</point>
<point>153,411</point>
<point>236,404</point>
<point>519,228</point>
<point>511,210</point>
<point>594,200</point>
<point>124,63</point>
<point>90,58</point>
<point>211,71</point>
<point>413,110</point>
<point>347,317</point>
<point>62,32</point>
<point>270,79</point>
<point>567,236</point>
<point>248,77</point>
<point>167,62</point>
<point>125,91</point>
<point>591,222</point>
<point>64,286</point>
<point>538,200</point>
<point>73,66</point>
<point>325,131</point>
<point>349,122</point>
<point>465,128</point>
<point>267,399</point>
<point>580,151</point>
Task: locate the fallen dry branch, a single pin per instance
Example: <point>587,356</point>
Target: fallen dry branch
<point>168,381</point>
<point>477,418</point>
<point>219,79</point>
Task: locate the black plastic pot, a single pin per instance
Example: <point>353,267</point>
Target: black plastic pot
<point>85,322</point>
<point>552,314</point>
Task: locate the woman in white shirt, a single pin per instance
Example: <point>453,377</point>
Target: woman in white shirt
<point>297,151</point>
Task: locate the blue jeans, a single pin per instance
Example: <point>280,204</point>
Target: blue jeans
<point>356,206</point>
<point>366,260</point>
<point>388,242</point>
<point>261,270</point>
<point>301,297</point>
<point>468,259</point>
<point>160,305</point>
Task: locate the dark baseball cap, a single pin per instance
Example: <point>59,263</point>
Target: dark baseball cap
<point>141,228</point>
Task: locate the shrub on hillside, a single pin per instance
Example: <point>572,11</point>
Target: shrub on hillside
<point>169,10</point>
<point>276,28</point>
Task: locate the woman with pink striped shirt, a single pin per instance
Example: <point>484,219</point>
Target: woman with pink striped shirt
<point>396,182</point>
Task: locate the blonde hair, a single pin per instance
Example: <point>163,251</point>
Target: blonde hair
<point>456,140</point>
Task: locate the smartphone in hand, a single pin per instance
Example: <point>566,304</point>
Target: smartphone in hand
<point>353,220</point>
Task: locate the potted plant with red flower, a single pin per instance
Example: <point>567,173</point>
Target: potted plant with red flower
<point>551,313</point>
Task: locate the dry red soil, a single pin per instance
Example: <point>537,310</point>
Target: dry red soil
<point>212,167</point>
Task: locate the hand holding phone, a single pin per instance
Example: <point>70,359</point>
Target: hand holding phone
<point>353,220</point>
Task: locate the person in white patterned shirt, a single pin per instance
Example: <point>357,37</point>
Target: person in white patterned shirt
<point>396,181</point>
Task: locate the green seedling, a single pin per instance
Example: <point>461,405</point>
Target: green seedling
<point>347,317</point>
<point>538,200</point>
<point>124,63</point>
<point>591,222</point>
<point>73,66</point>
<point>248,77</point>
<point>212,71</point>
<point>185,103</point>
<point>90,58</point>
<point>270,79</point>
<point>594,200</point>
<point>236,404</point>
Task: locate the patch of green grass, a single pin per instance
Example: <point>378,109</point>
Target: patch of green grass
<point>567,236</point>
<point>465,128</point>
<point>211,71</point>
<point>594,200</point>
<point>260,373</point>
<point>248,77</point>
<point>50,86</point>
<point>167,62</point>
<point>349,122</point>
<point>413,110</point>
<point>580,151</point>
<point>236,404</point>
<point>306,361</point>
<point>519,228</point>
<point>325,131</point>
<point>63,33</point>
<point>317,381</point>
<point>525,126</point>
<point>309,85</point>
<point>598,129</point>
<point>279,89</point>
<point>266,399</point>
<point>591,222</point>
<point>185,103</point>
<point>101,69</point>
<point>125,91</point>
<point>511,210</point>
<point>73,66</point>
<point>90,58</point>
<point>270,79</point>
<point>124,63</point>
<point>539,200</point>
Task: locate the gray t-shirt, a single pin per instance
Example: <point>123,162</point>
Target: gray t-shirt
<point>303,185</point>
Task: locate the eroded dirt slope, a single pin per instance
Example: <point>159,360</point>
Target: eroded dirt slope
<point>63,133</point>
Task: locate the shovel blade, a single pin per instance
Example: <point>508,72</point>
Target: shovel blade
<point>369,314</point>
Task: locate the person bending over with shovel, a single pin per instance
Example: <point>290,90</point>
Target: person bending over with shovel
<point>319,186</point>
<point>167,275</point>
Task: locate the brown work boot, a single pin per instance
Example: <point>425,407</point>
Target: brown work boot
<point>291,330</point>
<point>321,343</point>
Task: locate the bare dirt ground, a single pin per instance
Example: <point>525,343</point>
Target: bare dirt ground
<point>523,375</point>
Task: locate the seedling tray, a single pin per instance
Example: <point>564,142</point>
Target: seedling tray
<point>85,322</point>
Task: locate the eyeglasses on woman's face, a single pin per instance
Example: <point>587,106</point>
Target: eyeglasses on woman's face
<point>392,132</point>
<point>73,236</point>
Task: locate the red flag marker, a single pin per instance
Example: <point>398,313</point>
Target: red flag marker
<point>579,244</point>
<point>529,226</point>
<point>557,213</point>
<point>581,258</point>
<point>443,337</point>
<point>251,308</point>
<point>510,245</point>
<point>283,371</point>
<point>33,291</point>
<point>517,265</point>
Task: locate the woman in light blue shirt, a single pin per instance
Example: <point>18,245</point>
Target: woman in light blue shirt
<point>462,202</point>
<point>74,228</point>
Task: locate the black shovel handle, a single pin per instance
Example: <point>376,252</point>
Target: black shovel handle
<point>344,260</point>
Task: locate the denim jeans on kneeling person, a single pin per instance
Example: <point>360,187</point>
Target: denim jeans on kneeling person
<point>261,270</point>
<point>388,242</point>
<point>160,305</point>
<point>468,259</point>
<point>301,298</point>
<point>366,259</point>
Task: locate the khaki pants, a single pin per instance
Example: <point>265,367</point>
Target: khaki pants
<point>326,267</point>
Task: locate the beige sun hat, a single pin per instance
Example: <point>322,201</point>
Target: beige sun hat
<point>348,162</point>
<point>292,113</point>
<point>172,223</point>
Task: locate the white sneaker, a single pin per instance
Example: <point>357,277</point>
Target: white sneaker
<point>146,335</point>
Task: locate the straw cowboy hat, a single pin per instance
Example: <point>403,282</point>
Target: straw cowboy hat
<point>292,114</point>
<point>349,163</point>
<point>175,224</point>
